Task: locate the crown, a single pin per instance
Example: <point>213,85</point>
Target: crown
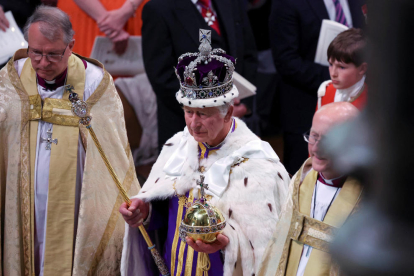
<point>206,78</point>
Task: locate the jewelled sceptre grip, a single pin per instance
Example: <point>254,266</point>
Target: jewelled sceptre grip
<point>80,109</point>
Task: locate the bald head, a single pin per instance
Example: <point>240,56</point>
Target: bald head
<point>324,119</point>
<point>335,113</point>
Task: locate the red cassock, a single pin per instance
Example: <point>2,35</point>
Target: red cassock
<point>329,97</point>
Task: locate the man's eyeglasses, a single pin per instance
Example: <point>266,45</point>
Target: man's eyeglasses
<point>311,139</point>
<point>50,57</point>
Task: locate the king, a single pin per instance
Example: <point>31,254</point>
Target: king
<point>246,181</point>
<point>59,203</point>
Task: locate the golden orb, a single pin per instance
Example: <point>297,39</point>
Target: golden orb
<point>202,221</point>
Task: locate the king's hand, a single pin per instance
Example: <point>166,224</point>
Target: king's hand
<point>209,248</point>
<point>136,213</point>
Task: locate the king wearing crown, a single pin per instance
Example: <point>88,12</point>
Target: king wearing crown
<point>216,188</point>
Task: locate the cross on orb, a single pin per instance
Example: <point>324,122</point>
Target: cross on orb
<point>202,186</point>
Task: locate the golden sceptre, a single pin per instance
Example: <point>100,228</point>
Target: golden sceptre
<point>80,109</point>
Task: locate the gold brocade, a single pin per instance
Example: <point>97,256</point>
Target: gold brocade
<point>110,227</point>
<point>17,246</point>
<point>35,107</point>
<point>58,112</point>
<point>94,246</point>
<point>33,142</point>
<point>312,231</point>
<point>306,230</point>
<point>60,219</point>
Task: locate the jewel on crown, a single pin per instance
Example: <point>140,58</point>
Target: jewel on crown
<point>204,85</point>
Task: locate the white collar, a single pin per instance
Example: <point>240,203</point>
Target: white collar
<point>194,2</point>
<point>50,82</point>
<point>330,181</point>
<point>347,94</point>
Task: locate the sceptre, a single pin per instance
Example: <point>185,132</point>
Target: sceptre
<point>80,109</point>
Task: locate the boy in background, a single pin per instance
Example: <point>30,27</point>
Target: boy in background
<point>347,69</point>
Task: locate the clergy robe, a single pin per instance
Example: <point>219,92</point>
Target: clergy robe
<point>296,228</point>
<point>255,189</point>
<point>61,205</point>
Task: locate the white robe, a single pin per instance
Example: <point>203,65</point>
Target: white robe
<point>93,76</point>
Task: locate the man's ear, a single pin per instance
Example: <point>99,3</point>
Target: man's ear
<point>71,44</point>
<point>229,114</point>
<point>363,68</point>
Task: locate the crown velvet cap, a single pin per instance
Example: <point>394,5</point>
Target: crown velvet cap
<point>206,78</point>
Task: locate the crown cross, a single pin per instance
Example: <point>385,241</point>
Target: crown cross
<point>205,46</point>
<point>205,35</point>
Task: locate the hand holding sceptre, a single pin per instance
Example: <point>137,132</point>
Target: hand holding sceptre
<point>136,213</point>
<point>80,109</point>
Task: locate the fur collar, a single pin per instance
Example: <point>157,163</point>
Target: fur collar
<point>160,186</point>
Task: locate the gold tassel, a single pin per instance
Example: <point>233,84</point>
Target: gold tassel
<point>203,263</point>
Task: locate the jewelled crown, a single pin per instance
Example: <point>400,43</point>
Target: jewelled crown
<point>206,78</point>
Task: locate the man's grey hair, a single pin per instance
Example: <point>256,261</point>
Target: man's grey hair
<point>223,109</point>
<point>55,23</point>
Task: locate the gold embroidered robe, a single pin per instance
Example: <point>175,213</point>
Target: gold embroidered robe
<point>296,228</point>
<point>98,244</point>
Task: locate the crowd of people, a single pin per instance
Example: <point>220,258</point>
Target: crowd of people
<point>175,132</point>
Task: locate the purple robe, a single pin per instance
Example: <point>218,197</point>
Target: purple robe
<point>215,258</point>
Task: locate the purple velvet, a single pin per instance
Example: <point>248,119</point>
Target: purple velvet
<point>203,69</point>
<point>216,262</point>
